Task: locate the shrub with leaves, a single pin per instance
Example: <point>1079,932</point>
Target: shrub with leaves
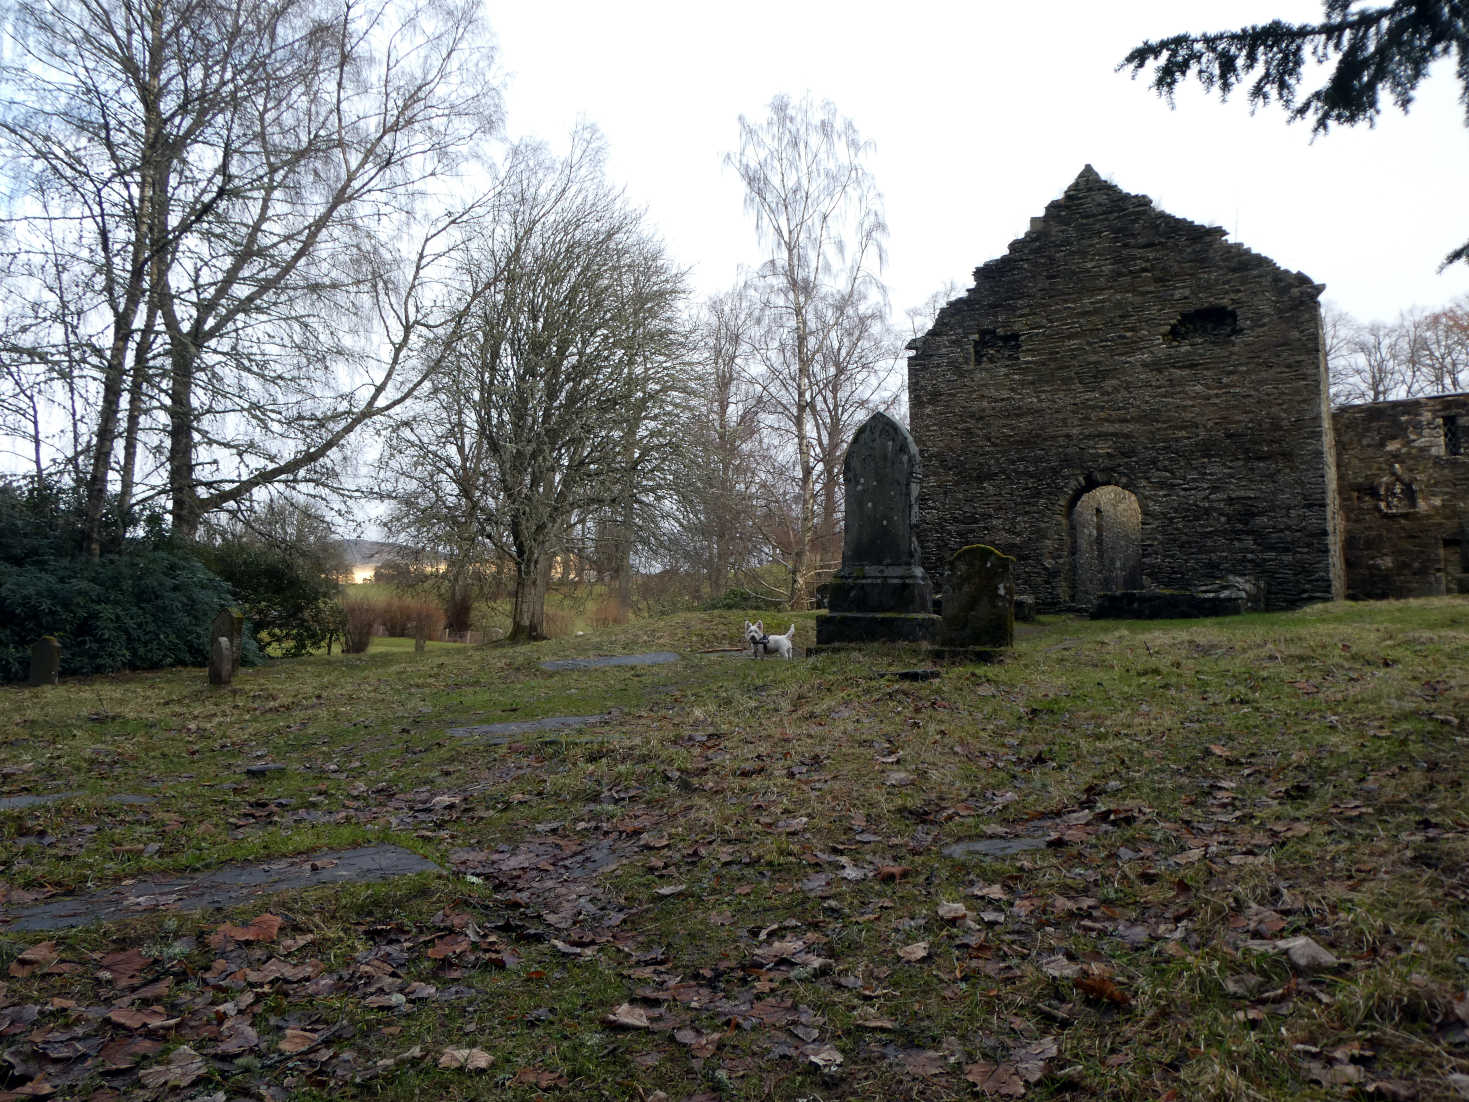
<point>142,610</point>
<point>359,620</point>
<point>288,592</point>
<point>138,606</point>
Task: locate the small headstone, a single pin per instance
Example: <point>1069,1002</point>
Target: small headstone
<point>230,623</point>
<point>1024,608</point>
<point>45,661</point>
<point>979,599</point>
<point>881,593</point>
<point>221,662</point>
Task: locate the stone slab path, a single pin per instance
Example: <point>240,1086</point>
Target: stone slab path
<point>656,658</point>
<point>222,887</point>
<point>9,803</point>
<point>504,732</point>
<point>993,847</point>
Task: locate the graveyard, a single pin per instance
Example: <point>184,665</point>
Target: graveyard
<point>1188,859</point>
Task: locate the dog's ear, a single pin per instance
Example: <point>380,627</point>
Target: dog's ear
<point>760,626</point>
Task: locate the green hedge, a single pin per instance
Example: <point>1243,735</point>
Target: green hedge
<point>139,610</point>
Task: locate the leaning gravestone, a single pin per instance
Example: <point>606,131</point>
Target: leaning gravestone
<point>881,593</point>
<point>229,624</point>
<point>979,602</point>
<point>221,661</point>
<point>45,661</point>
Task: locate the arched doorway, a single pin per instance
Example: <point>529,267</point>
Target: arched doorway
<point>1106,544</point>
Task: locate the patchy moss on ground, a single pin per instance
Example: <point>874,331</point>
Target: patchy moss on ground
<point>1211,859</point>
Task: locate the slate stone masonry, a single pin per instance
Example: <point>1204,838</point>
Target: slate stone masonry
<point>1403,470</point>
<point>1116,345</point>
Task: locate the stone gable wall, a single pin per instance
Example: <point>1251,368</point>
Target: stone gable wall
<point>1404,498</point>
<point>1115,344</point>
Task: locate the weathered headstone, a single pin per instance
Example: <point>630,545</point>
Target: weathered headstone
<point>230,624</point>
<point>881,593</point>
<point>221,661</point>
<point>45,661</point>
<point>979,599</point>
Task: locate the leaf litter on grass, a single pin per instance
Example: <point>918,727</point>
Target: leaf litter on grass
<point>722,894</point>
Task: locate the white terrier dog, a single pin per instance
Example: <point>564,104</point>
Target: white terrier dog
<point>758,640</point>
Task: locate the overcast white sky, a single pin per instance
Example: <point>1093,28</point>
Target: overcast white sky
<point>981,113</point>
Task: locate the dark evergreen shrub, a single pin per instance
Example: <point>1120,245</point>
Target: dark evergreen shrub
<point>139,610</point>
<point>288,592</point>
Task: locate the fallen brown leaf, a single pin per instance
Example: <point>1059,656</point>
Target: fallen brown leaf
<point>34,959</point>
<point>296,1040</point>
<point>183,1066</point>
<point>998,1080</point>
<point>1103,989</point>
<point>448,946</point>
<point>470,1059</point>
<point>261,928</point>
<point>541,1080</point>
<point>628,1016</point>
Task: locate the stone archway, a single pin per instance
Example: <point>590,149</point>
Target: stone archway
<point>1106,543</point>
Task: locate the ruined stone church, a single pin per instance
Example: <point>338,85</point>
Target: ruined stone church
<point>1125,400</point>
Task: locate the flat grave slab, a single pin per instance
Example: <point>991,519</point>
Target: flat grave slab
<point>221,887</point>
<point>8,803</point>
<point>654,659</point>
<point>993,847</point>
<point>549,726</point>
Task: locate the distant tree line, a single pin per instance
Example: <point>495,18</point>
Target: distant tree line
<point>1423,352</point>
<point>246,277</point>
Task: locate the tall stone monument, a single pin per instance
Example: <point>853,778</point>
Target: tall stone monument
<point>881,593</point>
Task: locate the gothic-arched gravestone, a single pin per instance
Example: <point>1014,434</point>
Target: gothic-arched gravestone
<point>881,593</point>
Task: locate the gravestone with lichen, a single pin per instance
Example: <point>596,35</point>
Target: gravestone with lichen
<point>221,661</point>
<point>881,593</point>
<point>979,599</point>
<point>45,661</point>
<point>229,624</point>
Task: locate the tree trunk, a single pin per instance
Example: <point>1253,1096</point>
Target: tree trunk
<point>528,612</point>
<point>806,522</point>
<point>458,607</point>
<point>182,491</point>
<point>136,398</point>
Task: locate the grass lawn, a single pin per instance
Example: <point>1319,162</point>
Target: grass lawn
<point>1221,859</point>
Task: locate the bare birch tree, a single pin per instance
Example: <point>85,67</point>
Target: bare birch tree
<point>230,192</point>
<point>566,382</point>
<point>713,523</point>
<point>819,215</point>
<point>1424,352</point>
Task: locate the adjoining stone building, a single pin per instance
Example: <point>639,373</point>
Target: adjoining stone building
<point>1404,482</point>
<point>1126,400</point>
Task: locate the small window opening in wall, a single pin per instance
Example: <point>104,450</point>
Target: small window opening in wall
<point>1453,439</point>
<point>1209,323</point>
<point>992,346</point>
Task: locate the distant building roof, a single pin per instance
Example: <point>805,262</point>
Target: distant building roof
<point>374,552</point>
